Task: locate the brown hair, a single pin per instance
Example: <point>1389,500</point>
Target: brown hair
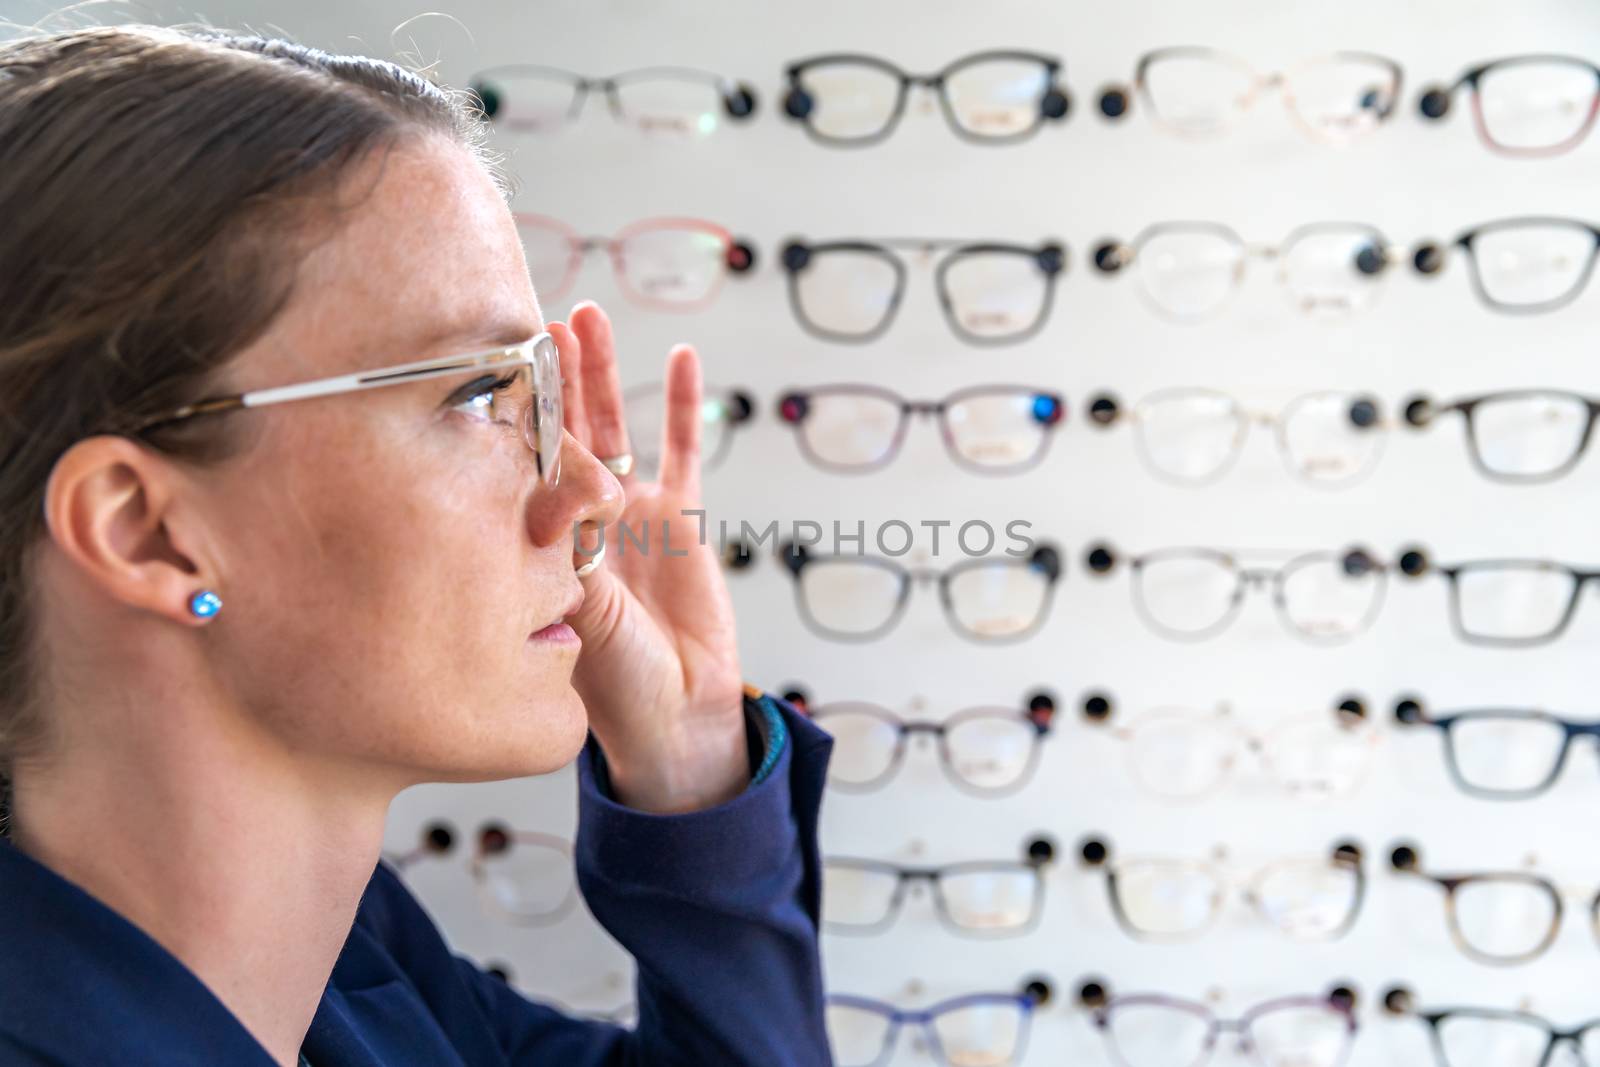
<point>152,184</point>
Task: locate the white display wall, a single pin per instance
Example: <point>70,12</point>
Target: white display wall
<point>1081,181</point>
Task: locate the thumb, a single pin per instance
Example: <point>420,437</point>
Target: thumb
<point>599,617</point>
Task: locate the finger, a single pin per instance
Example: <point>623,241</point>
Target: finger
<point>572,413</point>
<point>680,440</point>
<point>602,384</point>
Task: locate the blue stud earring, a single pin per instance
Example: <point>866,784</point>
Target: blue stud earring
<point>205,604</point>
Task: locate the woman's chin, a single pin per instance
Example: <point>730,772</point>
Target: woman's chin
<point>531,741</point>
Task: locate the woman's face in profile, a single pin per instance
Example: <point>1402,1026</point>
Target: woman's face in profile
<point>386,557</point>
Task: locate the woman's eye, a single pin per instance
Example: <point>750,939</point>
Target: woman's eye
<point>479,397</point>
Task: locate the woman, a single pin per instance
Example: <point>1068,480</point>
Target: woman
<point>289,522</point>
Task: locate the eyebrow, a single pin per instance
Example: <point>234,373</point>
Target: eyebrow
<point>458,338</point>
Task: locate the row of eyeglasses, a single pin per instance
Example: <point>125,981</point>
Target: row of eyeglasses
<point>1187,436</point>
<point>997,291</point>
<point>1500,917</point>
<point>1324,597</point>
<point>1525,106</point>
<point>1184,754</point>
<point>1151,1029</point>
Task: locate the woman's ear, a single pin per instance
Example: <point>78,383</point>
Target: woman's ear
<point>115,511</point>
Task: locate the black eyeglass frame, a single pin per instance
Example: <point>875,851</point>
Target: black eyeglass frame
<point>1053,105</point>
<point>1050,257</point>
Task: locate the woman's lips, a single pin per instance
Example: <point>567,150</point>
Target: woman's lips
<point>558,632</point>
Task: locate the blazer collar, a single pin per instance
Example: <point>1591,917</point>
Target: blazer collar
<point>82,983</point>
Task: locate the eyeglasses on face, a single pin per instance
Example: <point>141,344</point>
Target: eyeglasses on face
<point>1521,266</point>
<point>1469,1037</point>
<point>1506,603</point>
<point>990,1029</point>
<point>1193,436</point>
<point>998,97</point>
<point>523,877</point>
<point>1518,436</point>
<point>992,599</point>
<point>1188,271</point>
<point>1509,753</point>
<point>1158,898</point>
<point>1527,106</point>
<point>517,387</point>
<point>985,898</point>
<point>1200,93</point>
<point>987,751</point>
<point>1159,1030</point>
<point>987,429</point>
<point>1500,917</point>
<point>722,413</point>
<point>669,264</point>
<point>1192,594</point>
<point>671,101</point>
<point>1185,754</point>
<point>991,292</point>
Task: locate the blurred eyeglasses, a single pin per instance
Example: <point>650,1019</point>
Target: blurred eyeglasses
<point>986,751</point>
<point>1155,1030</point>
<point>850,597</point>
<point>991,292</point>
<point>987,98</point>
<point>987,429</point>
<point>1501,917</point>
<point>722,413</point>
<point>1502,753</point>
<point>1518,436</point>
<point>1159,898</point>
<point>665,101</point>
<point>1528,106</point>
<point>1187,271</point>
<point>1186,754</point>
<point>1199,93</point>
<point>986,898</point>
<point>1193,436</point>
<point>662,264</point>
<point>523,877</point>
<point>1490,1037</point>
<point>1508,603</point>
<point>1191,594</point>
<point>1522,266</point>
<point>976,1030</point>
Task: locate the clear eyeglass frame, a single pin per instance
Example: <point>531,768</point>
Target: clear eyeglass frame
<point>1266,745</point>
<point>1042,569</point>
<point>1355,564</point>
<point>712,96</point>
<point>1339,1012</point>
<point>1369,262</point>
<point>1371,108</point>
<point>536,363</point>
<point>1224,881</point>
<point>1362,411</point>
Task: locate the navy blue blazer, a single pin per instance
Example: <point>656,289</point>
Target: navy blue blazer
<point>719,908</point>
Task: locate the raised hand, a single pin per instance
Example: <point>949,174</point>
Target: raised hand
<point>659,671</point>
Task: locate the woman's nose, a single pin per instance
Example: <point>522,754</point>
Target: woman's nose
<point>587,493</point>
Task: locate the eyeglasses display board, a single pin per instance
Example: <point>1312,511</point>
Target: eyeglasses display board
<point>1157,440</point>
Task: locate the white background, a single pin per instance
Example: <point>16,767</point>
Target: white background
<point>1082,181</point>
